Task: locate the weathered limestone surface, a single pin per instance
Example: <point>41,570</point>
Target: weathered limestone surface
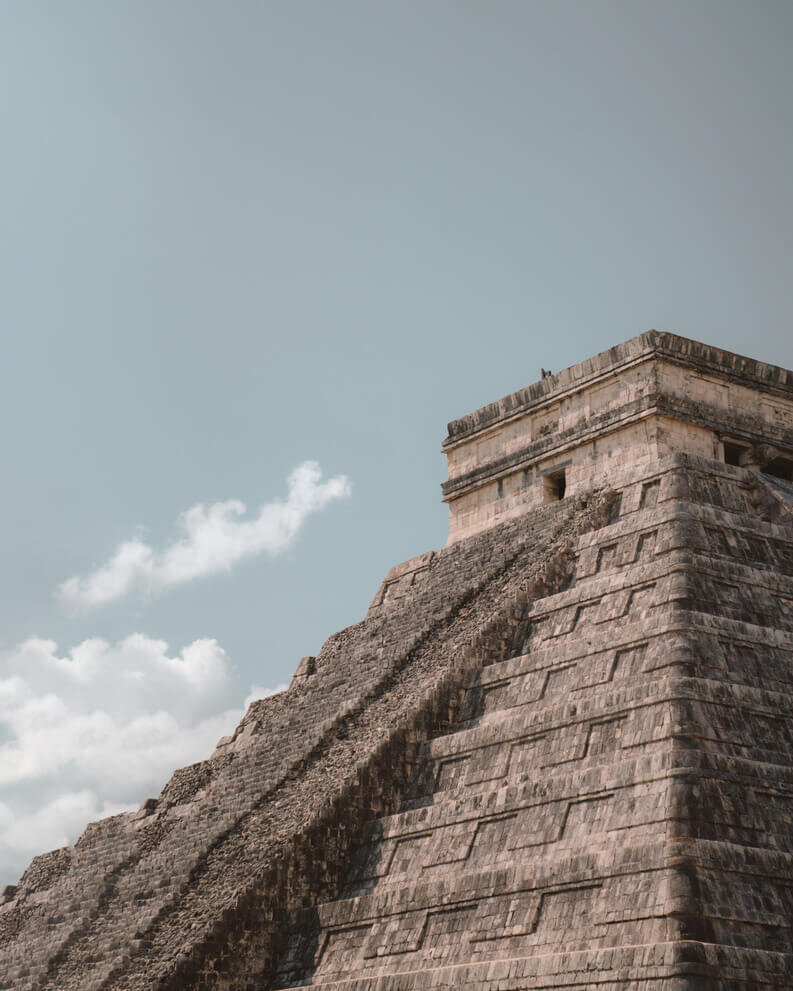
<point>193,890</point>
<point>556,754</point>
<point>613,807</point>
<point>652,396</point>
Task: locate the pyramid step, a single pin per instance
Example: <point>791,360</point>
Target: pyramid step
<point>529,678</point>
<point>638,771</point>
<point>596,617</point>
<point>527,741</point>
<point>506,745</point>
<point>748,802</point>
<point>645,967</point>
<point>517,834</point>
<point>682,524</point>
<point>619,804</point>
<point>573,902</point>
<point>637,651</point>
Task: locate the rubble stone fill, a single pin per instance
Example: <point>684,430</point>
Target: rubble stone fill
<point>557,753</point>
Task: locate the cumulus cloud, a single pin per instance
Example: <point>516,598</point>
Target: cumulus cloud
<point>213,540</point>
<point>96,730</point>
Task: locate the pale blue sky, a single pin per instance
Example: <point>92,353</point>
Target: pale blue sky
<point>235,236</point>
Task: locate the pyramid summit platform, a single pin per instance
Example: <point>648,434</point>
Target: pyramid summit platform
<point>556,754</point>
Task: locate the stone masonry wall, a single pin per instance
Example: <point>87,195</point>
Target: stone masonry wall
<point>653,396</point>
<point>611,806</point>
<point>190,891</point>
<point>576,721</point>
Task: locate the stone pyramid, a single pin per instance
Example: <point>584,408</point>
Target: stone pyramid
<point>557,753</point>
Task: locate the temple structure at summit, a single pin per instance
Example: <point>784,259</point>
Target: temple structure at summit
<point>555,754</point>
<point>652,397</point>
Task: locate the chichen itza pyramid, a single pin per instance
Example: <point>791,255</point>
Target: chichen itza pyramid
<point>557,753</point>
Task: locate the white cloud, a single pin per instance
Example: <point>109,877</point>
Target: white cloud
<point>99,729</point>
<point>214,539</point>
<point>53,825</point>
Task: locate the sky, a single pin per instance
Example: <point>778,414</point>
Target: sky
<point>254,256</point>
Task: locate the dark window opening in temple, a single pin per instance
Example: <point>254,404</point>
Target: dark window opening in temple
<point>732,454</point>
<point>555,486</point>
<point>780,468</point>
